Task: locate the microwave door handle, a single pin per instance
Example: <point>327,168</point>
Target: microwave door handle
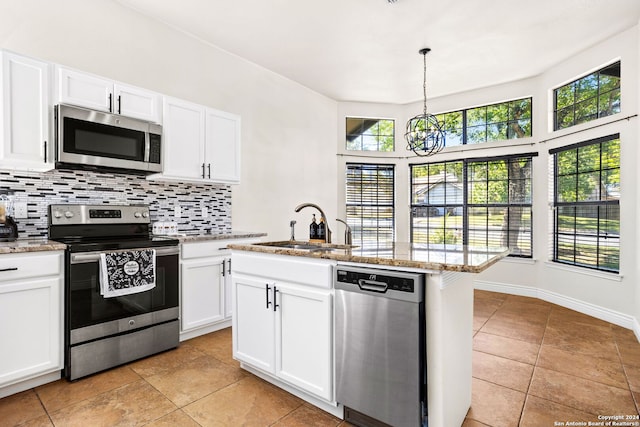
<point>147,144</point>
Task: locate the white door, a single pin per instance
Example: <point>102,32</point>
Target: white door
<point>202,301</point>
<point>132,101</point>
<point>24,114</point>
<point>32,327</point>
<point>183,139</point>
<point>85,90</point>
<point>304,349</point>
<point>223,146</point>
<point>254,322</point>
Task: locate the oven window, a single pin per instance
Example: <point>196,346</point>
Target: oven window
<point>87,307</point>
<point>96,139</point>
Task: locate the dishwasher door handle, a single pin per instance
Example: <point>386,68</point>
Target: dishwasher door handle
<point>372,285</point>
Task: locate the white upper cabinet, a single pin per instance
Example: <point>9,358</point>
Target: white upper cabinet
<point>223,146</point>
<point>25,114</point>
<point>97,93</point>
<point>183,140</point>
<point>200,144</point>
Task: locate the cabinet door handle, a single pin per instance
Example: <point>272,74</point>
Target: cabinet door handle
<point>203,171</point>
<point>9,269</point>
<point>267,288</point>
<point>209,167</point>
<point>45,151</point>
<point>275,298</point>
<point>119,104</point>
<point>229,264</point>
<point>224,267</point>
<point>111,103</point>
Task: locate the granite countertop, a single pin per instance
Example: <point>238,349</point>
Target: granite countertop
<point>200,237</point>
<point>399,254</point>
<point>30,245</point>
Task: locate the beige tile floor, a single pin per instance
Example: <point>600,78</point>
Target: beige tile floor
<point>534,364</point>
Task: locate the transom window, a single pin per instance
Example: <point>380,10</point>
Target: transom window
<point>370,204</point>
<point>588,98</point>
<point>476,202</point>
<point>368,134</point>
<point>587,204</point>
<point>494,122</point>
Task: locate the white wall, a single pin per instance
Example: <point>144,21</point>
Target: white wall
<point>613,297</point>
<point>288,130</point>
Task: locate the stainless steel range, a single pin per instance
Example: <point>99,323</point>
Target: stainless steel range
<point>105,330</point>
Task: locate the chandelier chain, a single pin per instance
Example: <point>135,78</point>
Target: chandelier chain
<point>424,82</point>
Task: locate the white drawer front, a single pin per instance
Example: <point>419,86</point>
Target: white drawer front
<point>27,265</point>
<point>292,269</point>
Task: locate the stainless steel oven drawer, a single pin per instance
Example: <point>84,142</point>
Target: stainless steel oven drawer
<point>106,353</point>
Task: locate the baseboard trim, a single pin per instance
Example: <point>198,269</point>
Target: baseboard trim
<point>611,316</point>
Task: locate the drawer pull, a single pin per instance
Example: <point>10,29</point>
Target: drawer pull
<point>9,269</point>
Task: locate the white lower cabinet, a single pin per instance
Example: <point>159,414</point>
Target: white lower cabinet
<point>284,327</point>
<point>205,287</point>
<point>203,293</point>
<point>31,287</point>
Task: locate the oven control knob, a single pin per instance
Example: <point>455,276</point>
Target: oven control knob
<point>132,322</point>
<point>137,214</point>
<point>57,214</point>
<point>145,214</point>
<point>68,214</point>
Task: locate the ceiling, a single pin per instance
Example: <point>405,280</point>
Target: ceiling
<point>367,50</point>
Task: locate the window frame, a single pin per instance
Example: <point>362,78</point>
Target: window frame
<point>360,239</point>
<point>576,102</point>
<point>467,205</point>
<point>465,127</point>
<point>576,204</point>
<point>377,135</point>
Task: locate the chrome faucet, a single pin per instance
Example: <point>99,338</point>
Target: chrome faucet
<point>348,237</point>
<point>327,237</point>
<point>292,224</point>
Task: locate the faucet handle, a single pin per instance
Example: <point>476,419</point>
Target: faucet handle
<point>292,224</point>
<point>348,238</point>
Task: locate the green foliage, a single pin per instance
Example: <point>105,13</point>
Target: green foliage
<point>592,96</point>
<point>370,134</point>
<point>443,236</point>
<point>589,172</point>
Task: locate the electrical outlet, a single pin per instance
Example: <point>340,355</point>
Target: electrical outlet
<point>177,212</point>
<point>20,210</point>
<point>205,212</point>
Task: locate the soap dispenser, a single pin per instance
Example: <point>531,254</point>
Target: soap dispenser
<point>313,229</point>
<point>322,230</point>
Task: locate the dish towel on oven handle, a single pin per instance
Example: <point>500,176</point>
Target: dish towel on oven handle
<point>127,272</point>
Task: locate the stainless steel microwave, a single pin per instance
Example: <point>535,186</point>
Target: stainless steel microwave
<point>87,139</point>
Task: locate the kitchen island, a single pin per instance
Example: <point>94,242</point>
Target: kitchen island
<point>284,322</point>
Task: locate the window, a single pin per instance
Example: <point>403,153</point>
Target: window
<point>476,202</point>
<point>370,204</point>
<point>499,204</point>
<point>437,203</point>
<point>588,98</point>
<point>495,122</point>
<point>370,134</point>
<point>586,201</point>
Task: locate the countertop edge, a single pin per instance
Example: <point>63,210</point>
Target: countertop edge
<point>30,245</point>
<point>229,236</point>
<point>390,262</point>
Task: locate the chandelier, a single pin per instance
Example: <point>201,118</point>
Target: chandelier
<point>424,134</point>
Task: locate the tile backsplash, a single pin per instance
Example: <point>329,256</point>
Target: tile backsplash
<point>39,190</point>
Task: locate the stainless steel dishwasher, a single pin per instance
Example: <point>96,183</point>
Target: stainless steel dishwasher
<point>380,346</point>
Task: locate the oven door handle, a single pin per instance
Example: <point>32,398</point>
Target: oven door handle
<point>81,257</point>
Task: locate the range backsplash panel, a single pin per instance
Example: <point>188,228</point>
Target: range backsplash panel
<point>39,190</point>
